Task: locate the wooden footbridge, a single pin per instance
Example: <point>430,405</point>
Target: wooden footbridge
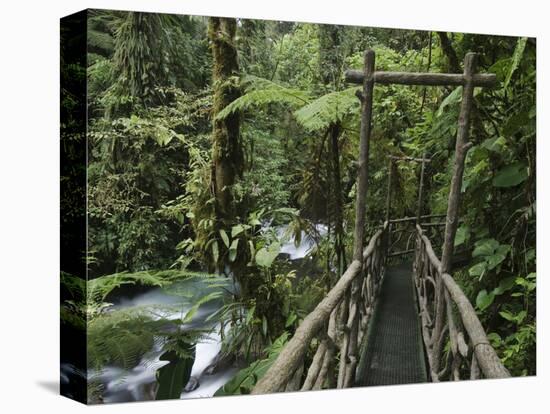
<point>394,324</point>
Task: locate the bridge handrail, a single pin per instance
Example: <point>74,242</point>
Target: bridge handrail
<point>428,276</point>
<point>287,370</point>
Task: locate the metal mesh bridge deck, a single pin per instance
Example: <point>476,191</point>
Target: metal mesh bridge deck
<point>393,352</point>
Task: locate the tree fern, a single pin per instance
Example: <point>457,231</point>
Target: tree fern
<point>312,115</point>
<point>328,109</point>
<point>261,92</point>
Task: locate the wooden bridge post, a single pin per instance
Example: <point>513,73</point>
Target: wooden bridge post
<point>364,144</point>
<point>420,191</point>
<point>461,148</point>
<point>391,164</point>
<point>349,348</point>
<point>388,191</point>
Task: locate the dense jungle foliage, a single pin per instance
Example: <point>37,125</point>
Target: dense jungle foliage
<point>213,142</point>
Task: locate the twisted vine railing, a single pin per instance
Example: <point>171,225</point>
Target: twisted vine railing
<point>440,298</point>
<point>335,327</point>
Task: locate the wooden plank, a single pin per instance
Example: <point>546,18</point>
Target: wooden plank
<point>423,79</point>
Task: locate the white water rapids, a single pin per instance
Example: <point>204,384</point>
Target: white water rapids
<point>137,384</point>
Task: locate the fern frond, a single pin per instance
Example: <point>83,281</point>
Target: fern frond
<point>122,337</point>
<point>74,285</point>
<point>98,289</point>
<point>328,109</point>
<point>119,338</point>
<point>261,92</point>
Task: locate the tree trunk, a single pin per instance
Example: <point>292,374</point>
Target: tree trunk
<point>330,61</point>
<point>227,153</point>
<point>449,52</point>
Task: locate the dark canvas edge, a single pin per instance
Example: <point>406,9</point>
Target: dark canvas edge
<point>73,195</point>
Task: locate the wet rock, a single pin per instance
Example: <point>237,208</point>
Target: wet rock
<point>220,363</point>
<point>192,384</point>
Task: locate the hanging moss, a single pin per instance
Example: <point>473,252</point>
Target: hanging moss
<point>139,63</point>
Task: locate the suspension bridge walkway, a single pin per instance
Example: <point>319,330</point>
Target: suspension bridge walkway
<point>394,316</point>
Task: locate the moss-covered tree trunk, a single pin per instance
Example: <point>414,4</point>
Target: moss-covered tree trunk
<point>227,153</point>
<point>227,166</point>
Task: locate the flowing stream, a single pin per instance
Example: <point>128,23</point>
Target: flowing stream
<point>138,383</point>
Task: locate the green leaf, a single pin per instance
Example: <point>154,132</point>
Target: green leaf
<point>504,285</point>
<point>173,377</point>
<point>236,230</point>
<point>495,339</point>
<point>233,250</point>
<point>496,144</point>
<point>527,284</point>
<point>264,326</point>
<point>462,234</point>
<point>247,378</point>
<point>516,59</point>
<point>521,316</point>
<point>478,269</point>
<point>484,300</point>
<point>287,211</point>
<point>255,222</point>
<point>252,249</point>
<point>290,319</point>
<point>530,255</point>
<point>503,249</point>
<point>507,315</point>
<point>485,247</point>
<point>452,99</point>
<point>511,175</point>
<point>515,123</point>
<point>250,314</point>
<point>163,136</point>
<point>209,297</point>
<point>266,255</point>
<point>215,251</point>
<point>501,68</point>
<point>225,238</point>
<point>494,260</point>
